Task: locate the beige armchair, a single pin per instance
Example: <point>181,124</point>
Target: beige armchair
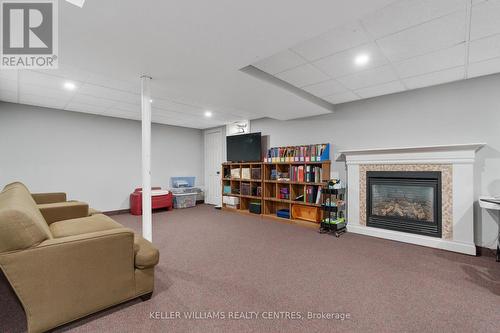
<point>66,269</point>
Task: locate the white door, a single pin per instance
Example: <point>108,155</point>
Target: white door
<point>213,161</point>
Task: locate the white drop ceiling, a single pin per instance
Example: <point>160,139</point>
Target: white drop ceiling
<point>194,51</point>
<point>96,94</point>
<point>411,44</point>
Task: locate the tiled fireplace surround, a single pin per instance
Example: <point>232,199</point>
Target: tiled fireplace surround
<point>456,164</point>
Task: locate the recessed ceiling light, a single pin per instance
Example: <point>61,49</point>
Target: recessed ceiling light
<point>362,59</point>
<point>69,86</point>
<point>208,113</point>
<point>150,101</point>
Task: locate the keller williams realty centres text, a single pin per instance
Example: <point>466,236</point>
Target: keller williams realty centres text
<point>248,315</point>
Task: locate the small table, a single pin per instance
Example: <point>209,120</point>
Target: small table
<point>493,204</point>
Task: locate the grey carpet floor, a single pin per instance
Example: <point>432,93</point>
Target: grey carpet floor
<point>213,261</point>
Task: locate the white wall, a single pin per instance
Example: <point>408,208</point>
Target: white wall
<point>93,158</point>
<point>460,112</point>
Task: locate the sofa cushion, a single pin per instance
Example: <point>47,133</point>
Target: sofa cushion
<point>47,198</point>
<point>83,225</point>
<point>21,223</point>
<point>59,211</point>
<point>146,255</point>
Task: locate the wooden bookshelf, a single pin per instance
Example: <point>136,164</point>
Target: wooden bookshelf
<point>237,176</point>
<point>272,202</point>
<point>270,188</point>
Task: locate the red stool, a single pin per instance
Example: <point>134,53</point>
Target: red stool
<point>157,201</point>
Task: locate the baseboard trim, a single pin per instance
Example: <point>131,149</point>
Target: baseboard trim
<point>437,243</point>
<point>116,212</point>
<point>486,252</point>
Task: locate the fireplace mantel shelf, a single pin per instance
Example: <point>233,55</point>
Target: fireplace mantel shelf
<point>415,149</point>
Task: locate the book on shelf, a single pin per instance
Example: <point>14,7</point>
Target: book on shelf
<point>318,195</point>
<point>284,193</point>
<point>311,193</point>
<point>308,173</point>
<point>306,153</point>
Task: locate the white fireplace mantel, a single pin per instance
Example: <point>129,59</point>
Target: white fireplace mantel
<point>458,153</point>
<point>460,157</point>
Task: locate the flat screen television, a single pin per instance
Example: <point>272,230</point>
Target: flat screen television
<point>244,148</point>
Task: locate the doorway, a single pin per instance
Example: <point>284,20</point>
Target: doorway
<point>213,161</point>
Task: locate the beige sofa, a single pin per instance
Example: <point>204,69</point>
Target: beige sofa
<point>64,269</point>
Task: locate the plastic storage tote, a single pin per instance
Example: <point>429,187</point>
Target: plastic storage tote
<point>184,200</point>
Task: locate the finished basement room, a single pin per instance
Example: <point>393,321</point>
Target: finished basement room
<point>249,166</point>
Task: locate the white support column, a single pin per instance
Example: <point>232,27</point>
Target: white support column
<point>147,223</point>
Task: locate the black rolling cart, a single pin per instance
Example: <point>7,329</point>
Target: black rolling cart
<point>333,206</point>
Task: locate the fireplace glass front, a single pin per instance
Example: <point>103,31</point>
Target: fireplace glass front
<point>405,201</point>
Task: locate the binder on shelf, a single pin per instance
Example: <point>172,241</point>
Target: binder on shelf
<point>306,153</point>
<point>300,173</point>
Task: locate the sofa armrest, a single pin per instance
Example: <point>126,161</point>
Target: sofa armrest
<point>45,198</point>
<point>54,212</point>
<point>67,278</point>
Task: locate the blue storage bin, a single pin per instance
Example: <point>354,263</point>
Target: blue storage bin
<point>284,213</point>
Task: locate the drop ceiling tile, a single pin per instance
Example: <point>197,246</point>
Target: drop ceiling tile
<point>44,80</point>
<point>66,72</point>
<point>432,62</point>
<point>45,91</point>
<point>280,62</point>
<point>403,14</point>
<point>165,121</point>
<point>344,97</point>
<point>428,37</point>
<point>369,78</point>
<point>342,63</point>
<point>120,85</point>
<point>448,75</point>
<point>113,112</point>
<point>170,114</point>
<point>303,75</point>
<point>177,106</point>
<point>325,88</point>
<point>168,120</point>
<point>486,67</point>
<point>341,38</point>
<point>485,19</point>
<point>113,94</point>
<point>162,103</point>
<point>382,89</point>
<point>43,101</point>
<point>485,48</point>
<point>128,107</point>
<point>94,101</point>
<point>176,114</point>
<point>86,108</point>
